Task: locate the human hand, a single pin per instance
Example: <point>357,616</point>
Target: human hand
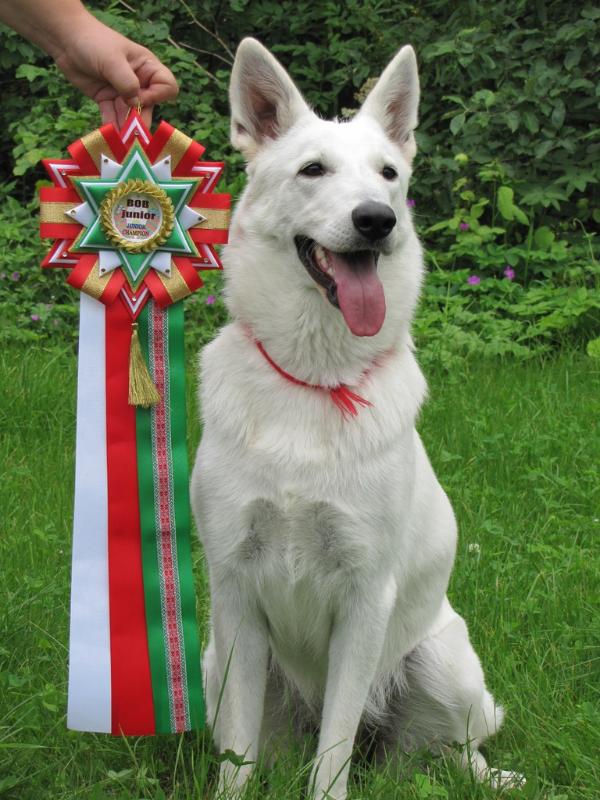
<point>114,71</point>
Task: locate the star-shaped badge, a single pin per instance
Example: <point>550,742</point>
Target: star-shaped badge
<point>135,215</point>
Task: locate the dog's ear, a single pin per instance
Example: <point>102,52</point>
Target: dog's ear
<point>265,103</point>
<point>394,100</point>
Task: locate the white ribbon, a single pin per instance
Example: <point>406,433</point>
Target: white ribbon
<point>89,702</point>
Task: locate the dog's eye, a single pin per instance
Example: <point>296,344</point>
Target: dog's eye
<point>312,170</point>
<point>389,173</point>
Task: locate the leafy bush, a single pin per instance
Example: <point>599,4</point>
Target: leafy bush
<point>462,314</point>
<point>505,179</point>
<point>36,304</point>
<point>520,88</point>
<point>511,82</point>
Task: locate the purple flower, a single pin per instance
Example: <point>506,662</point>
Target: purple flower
<point>35,317</point>
<point>210,299</point>
<point>473,280</point>
<point>15,276</point>
<point>464,226</point>
<point>509,273</point>
<point>410,202</point>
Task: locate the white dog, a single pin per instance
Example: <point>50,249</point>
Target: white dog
<point>328,538</point>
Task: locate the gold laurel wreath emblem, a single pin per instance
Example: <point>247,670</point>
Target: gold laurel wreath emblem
<point>137,186</point>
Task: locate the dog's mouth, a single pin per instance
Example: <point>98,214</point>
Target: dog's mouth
<point>350,281</point>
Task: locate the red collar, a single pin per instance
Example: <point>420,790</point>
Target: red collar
<point>341,395</point>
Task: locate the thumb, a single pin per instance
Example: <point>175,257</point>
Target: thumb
<point>118,72</point>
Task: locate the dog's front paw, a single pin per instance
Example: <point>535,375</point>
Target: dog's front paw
<point>233,779</point>
<point>325,788</point>
<point>328,794</point>
<point>505,779</point>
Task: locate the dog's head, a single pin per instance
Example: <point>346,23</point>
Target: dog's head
<point>325,207</point>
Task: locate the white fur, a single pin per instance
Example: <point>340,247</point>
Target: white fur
<point>329,542</point>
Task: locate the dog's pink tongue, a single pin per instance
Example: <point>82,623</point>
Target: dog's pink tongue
<point>359,291</point>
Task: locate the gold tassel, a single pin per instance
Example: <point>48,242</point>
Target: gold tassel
<point>142,391</point>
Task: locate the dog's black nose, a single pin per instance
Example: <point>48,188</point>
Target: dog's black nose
<point>373,220</point>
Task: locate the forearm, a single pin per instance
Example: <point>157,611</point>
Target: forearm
<point>45,23</point>
<point>106,66</point>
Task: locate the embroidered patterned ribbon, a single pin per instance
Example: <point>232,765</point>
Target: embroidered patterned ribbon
<point>165,522</point>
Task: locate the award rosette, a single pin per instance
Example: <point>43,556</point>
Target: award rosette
<point>135,218</point>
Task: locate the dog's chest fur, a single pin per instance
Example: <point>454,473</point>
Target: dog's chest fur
<point>302,505</point>
<point>297,538</point>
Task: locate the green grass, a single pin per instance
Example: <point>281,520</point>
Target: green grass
<point>517,447</point>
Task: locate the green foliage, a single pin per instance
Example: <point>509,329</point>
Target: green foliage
<point>593,348</point>
<point>503,286</point>
<point>488,231</point>
<point>59,115</point>
<point>36,304</point>
<point>505,178</point>
<point>499,317</point>
<point>522,90</point>
<point>511,82</point>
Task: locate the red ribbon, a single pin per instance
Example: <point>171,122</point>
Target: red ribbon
<point>341,395</point>
<point>132,703</point>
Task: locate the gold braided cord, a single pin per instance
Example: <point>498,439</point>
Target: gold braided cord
<point>137,186</point>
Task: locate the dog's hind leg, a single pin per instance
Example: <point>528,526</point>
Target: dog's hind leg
<point>445,701</point>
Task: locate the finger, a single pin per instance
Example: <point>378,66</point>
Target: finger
<point>147,115</point>
<point>118,72</point>
<point>107,110</point>
<point>157,93</point>
<point>122,110</point>
<point>158,83</point>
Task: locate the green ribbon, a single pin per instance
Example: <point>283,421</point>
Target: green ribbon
<point>178,533</point>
